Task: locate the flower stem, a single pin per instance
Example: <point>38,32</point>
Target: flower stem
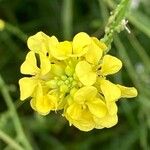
<point>67,18</point>
<point>9,141</point>
<point>115,23</point>
<point>16,31</point>
<point>14,114</point>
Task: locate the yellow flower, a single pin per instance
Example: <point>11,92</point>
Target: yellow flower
<point>110,65</point>
<point>112,92</point>
<point>43,103</point>
<point>32,86</point>
<point>110,119</point>
<point>72,76</point>
<point>76,48</point>
<point>2,25</point>
<point>84,107</point>
<point>95,51</point>
<point>41,43</point>
<point>80,48</point>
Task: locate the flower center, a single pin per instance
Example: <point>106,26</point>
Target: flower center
<point>63,83</point>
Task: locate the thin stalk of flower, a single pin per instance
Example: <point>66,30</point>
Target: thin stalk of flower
<point>10,141</point>
<point>14,114</point>
<point>15,31</point>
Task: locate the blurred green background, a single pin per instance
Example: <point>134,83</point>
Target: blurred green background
<point>64,18</point>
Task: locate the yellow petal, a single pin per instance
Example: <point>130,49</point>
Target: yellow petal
<point>110,65</point>
<point>29,66</point>
<point>56,101</point>
<point>128,92</point>
<point>53,42</point>
<point>97,107</point>
<point>86,93</point>
<point>112,108</point>
<point>45,64</point>
<point>99,43</point>
<point>33,103</point>
<point>97,126</point>
<point>111,91</point>
<point>82,119</point>
<point>74,111</point>
<point>27,86</point>
<point>94,54</point>
<point>41,103</point>
<point>62,50</point>
<point>39,42</point>
<point>108,121</point>
<point>85,73</point>
<point>81,43</point>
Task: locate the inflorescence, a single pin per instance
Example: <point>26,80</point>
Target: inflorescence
<point>71,76</point>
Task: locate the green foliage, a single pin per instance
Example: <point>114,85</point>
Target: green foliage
<point>20,127</point>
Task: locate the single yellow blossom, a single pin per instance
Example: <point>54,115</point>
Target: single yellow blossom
<point>111,91</point>
<point>80,48</point>
<point>95,52</point>
<point>84,107</point>
<point>40,42</point>
<point>110,65</point>
<point>41,102</point>
<point>76,48</point>
<point>32,86</point>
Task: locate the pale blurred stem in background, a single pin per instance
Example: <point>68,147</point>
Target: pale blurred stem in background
<point>140,51</point>
<point>16,31</point>
<point>10,141</point>
<point>144,95</point>
<point>20,133</point>
<point>104,11</point>
<point>115,23</point>
<point>127,62</point>
<point>67,16</point>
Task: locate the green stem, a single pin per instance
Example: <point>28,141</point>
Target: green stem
<point>130,68</point>
<point>67,18</point>
<point>140,21</point>
<point>9,141</point>
<point>136,18</point>
<point>104,10</point>
<point>123,54</point>
<point>115,24</point>
<point>14,114</point>
<point>140,50</point>
<point>16,31</point>
<point>12,46</point>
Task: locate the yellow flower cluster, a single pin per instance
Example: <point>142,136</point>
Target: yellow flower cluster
<point>71,76</point>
